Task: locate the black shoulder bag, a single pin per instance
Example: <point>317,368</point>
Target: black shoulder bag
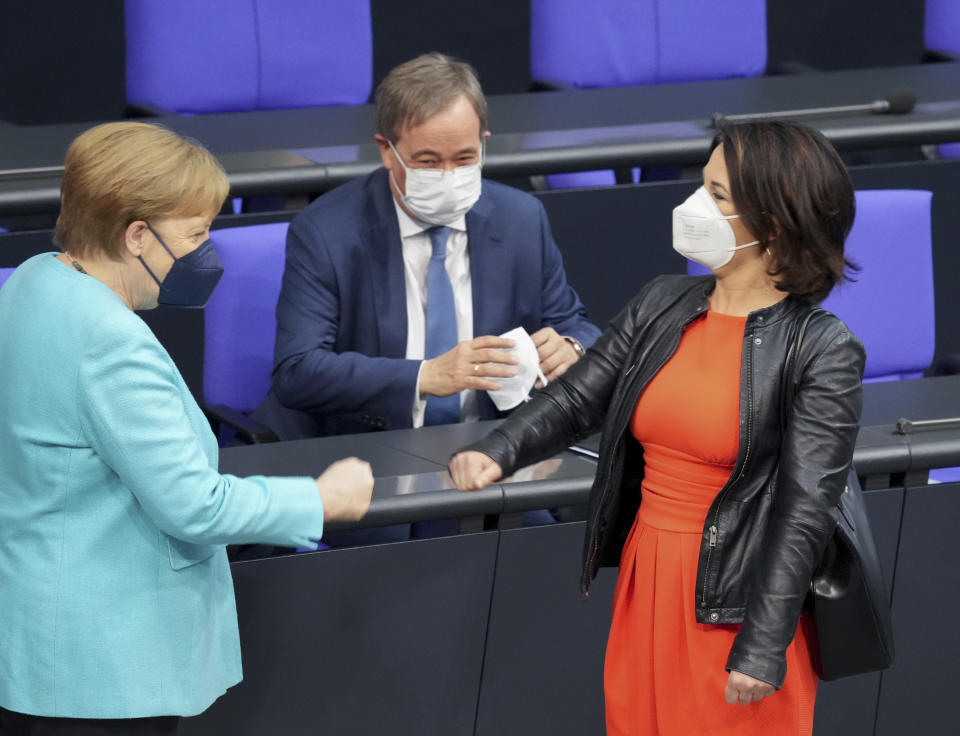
<point>848,598</point>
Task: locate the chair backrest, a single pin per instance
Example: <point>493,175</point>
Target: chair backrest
<point>240,321</point>
<point>941,31</point>
<point>196,56</point>
<point>607,43</point>
<point>890,305</point>
<point>5,274</point>
<point>949,150</point>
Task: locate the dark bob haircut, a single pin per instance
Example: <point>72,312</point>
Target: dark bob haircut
<point>793,193</point>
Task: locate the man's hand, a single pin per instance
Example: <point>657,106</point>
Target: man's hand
<point>470,365</point>
<point>473,470</point>
<point>556,353</point>
<point>744,689</point>
<point>345,489</point>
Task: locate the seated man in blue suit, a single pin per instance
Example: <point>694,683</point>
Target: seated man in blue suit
<point>397,284</point>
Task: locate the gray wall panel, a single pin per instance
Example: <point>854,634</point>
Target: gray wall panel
<point>385,639</point>
<point>919,694</point>
<point>848,707</point>
<point>543,670</point>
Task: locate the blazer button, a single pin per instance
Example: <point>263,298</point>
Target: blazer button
<point>714,616</point>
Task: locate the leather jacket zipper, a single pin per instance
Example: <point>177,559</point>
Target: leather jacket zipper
<point>713,531</point>
<point>632,392</point>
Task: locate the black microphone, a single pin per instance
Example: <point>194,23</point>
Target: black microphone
<point>899,102</point>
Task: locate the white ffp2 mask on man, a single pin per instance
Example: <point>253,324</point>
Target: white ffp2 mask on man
<point>515,390</point>
<point>440,197</point>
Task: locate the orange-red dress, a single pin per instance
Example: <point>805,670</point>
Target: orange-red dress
<point>664,672</point>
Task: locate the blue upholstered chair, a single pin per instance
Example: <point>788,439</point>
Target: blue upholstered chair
<point>5,274</point>
<point>240,325</point>
<point>941,35</point>
<point>595,178</point>
<point>941,28</point>
<point>890,305</point>
<point>193,56</point>
<point>609,43</point>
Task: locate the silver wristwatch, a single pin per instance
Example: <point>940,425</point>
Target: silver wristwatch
<point>576,345</point>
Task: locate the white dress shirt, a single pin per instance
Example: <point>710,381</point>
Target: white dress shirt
<point>416,263</point>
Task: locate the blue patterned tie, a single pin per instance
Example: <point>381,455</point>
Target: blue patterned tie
<point>441,325</point>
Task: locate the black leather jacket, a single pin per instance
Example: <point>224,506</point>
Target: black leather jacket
<point>767,528</point>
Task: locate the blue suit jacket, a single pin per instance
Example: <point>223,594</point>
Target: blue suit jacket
<point>116,599</point>
<point>342,315</point>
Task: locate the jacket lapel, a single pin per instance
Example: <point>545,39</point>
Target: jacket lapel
<point>382,241</point>
<point>490,275</point>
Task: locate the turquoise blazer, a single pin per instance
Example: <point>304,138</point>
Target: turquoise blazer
<point>116,599</point>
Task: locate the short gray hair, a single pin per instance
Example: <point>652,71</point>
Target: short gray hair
<point>422,87</point>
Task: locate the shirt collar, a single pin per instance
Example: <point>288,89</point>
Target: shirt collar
<point>410,226</point>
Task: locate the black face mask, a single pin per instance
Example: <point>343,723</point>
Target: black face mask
<point>192,278</point>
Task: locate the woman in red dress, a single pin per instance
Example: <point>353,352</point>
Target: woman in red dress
<point>716,515</point>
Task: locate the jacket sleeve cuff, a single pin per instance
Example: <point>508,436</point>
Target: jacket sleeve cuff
<point>294,515</point>
<point>419,402</point>
<point>496,446</point>
<point>771,672</point>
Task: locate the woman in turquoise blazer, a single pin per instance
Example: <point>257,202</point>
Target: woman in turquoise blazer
<point>117,600</point>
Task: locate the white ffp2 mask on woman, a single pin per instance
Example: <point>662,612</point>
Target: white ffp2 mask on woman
<point>702,233</point>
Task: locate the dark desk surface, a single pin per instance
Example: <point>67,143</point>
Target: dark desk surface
<point>927,398</point>
<point>413,485</point>
<point>311,457</point>
<point>314,149</point>
<point>412,481</point>
<point>934,85</point>
<point>882,450</point>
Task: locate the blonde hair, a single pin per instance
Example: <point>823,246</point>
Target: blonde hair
<point>118,173</point>
<point>422,87</point>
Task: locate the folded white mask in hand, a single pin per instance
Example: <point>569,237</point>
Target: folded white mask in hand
<point>515,390</point>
